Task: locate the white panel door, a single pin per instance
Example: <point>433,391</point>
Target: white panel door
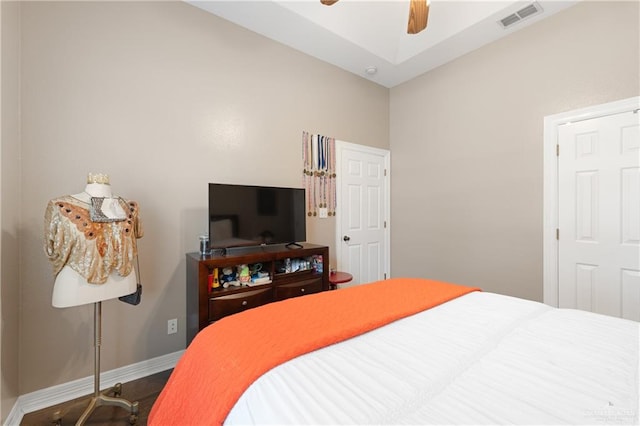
<point>599,215</point>
<point>362,215</point>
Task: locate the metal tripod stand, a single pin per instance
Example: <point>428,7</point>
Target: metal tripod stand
<point>100,398</point>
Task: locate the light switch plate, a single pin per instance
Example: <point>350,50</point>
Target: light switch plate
<point>322,213</point>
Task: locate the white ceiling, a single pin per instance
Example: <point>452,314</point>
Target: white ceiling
<point>358,34</point>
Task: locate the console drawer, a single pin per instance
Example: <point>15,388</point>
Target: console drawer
<point>222,306</point>
<point>298,288</point>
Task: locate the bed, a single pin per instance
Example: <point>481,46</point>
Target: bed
<point>420,352</point>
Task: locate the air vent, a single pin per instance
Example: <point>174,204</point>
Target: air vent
<point>526,12</point>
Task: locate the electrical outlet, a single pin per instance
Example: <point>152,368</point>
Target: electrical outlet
<point>172,326</point>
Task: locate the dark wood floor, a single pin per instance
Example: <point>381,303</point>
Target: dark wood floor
<point>144,390</point>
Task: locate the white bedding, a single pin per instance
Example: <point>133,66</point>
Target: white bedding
<point>480,359</point>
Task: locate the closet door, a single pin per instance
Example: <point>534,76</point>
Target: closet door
<point>599,215</point>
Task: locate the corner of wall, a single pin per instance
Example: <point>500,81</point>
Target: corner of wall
<point>9,209</point>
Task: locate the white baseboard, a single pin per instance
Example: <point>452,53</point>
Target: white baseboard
<point>43,398</point>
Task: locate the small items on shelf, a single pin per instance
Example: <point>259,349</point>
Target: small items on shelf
<point>254,274</point>
<point>259,280</point>
<point>238,276</point>
<point>290,265</point>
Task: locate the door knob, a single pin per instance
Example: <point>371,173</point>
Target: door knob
<point>346,238</point>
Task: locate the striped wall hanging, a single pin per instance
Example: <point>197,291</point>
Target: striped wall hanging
<point>319,173</point>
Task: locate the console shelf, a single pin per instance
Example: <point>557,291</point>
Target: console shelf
<point>206,304</point>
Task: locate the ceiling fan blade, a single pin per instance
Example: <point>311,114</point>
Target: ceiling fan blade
<point>418,15</point>
<point>328,2</point>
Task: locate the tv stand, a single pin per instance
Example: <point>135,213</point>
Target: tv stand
<point>305,272</point>
<point>293,245</point>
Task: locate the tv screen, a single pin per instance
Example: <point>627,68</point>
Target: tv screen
<point>245,215</point>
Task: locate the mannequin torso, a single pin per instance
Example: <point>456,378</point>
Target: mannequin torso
<point>72,289</point>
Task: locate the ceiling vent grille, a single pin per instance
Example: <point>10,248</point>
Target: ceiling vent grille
<point>526,12</point>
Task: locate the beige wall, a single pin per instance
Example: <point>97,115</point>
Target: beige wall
<point>9,207</point>
<point>164,98</point>
<point>467,140</point>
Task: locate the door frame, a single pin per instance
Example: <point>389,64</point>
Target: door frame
<point>550,188</point>
<point>341,146</point>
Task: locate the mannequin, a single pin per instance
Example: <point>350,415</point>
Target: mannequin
<point>70,287</point>
<point>90,238</point>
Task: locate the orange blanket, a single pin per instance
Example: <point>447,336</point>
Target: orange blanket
<point>226,357</point>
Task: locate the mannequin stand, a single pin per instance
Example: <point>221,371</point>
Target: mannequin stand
<point>100,398</point>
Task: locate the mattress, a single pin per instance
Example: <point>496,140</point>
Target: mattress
<point>481,358</point>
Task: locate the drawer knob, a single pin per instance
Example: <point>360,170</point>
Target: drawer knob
<point>302,290</point>
<point>244,303</point>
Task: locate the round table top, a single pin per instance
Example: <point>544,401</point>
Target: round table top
<point>338,277</point>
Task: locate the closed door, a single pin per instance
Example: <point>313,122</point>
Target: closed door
<point>599,215</point>
<point>363,210</point>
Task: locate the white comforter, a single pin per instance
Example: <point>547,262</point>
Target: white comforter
<point>480,359</point>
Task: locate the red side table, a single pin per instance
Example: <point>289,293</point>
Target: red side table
<point>337,277</point>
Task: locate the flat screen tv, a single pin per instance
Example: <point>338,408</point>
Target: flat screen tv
<point>246,215</point>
